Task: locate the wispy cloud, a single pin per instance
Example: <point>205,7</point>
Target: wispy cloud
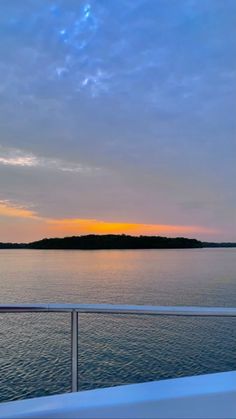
<point>10,209</point>
<point>15,157</point>
<point>19,158</point>
<point>18,161</point>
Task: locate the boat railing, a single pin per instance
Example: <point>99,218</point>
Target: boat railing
<point>76,309</point>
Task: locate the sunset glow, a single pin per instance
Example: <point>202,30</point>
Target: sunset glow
<point>29,226</point>
<point>84,226</point>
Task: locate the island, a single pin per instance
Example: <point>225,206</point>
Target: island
<point>115,241</point>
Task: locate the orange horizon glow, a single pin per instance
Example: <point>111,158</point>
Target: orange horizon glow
<point>28,226</point>
<point>93,226</point>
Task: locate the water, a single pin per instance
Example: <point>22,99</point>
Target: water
<point>35,348</point>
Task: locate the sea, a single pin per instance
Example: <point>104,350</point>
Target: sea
<point>113,349</point>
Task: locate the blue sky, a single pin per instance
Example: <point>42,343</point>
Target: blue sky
<point>118,111</point>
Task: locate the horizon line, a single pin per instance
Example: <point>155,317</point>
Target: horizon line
<point>117,235</point>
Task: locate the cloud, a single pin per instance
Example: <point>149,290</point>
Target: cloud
<point>19,158</point>
<point>9,209</point>
<point>27,161</point>
<point>14,157</point>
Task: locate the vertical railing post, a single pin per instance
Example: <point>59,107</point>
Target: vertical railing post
<point>74,351</point>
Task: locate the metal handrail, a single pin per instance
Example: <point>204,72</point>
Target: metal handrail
<point>74,309</point>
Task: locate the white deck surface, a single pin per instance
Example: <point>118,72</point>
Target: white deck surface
<point>205,396</point>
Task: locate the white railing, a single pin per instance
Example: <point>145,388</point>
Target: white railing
<point>74,309</point>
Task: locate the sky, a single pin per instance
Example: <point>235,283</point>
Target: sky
<point>117,116</point>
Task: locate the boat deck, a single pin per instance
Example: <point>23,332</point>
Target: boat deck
<point>203,396</point>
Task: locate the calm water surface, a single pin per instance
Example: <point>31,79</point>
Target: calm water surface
<point>35,348</point>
